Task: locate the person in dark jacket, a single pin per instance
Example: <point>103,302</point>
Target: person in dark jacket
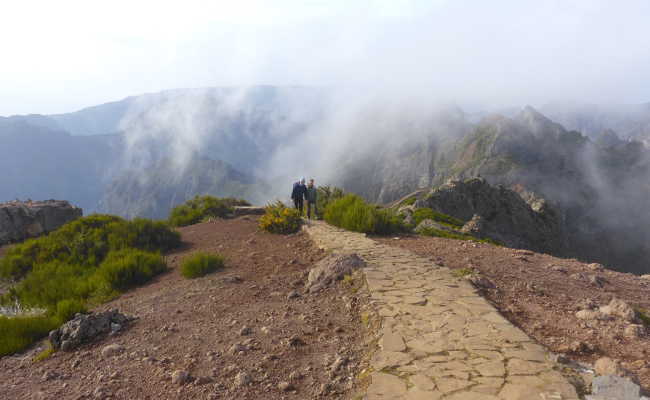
<point>311,195</point>
<point>298,194</point>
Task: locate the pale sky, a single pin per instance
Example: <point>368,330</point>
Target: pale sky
<point>60,56</point>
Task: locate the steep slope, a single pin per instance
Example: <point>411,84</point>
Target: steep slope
<point>40,163</point>
<point>97,120</point>
<point>597,188</point>
<point>151,192</point>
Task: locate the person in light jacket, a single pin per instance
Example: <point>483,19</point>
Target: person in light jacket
<point>311,196</point>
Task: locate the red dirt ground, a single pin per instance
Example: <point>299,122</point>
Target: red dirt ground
<point>192,325</point>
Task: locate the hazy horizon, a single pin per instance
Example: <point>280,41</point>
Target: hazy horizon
<point>65,56</point>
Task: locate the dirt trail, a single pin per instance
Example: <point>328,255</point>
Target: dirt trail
<point>200,326</point>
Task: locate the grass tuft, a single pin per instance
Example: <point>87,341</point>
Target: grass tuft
<point>45,354</point>
<point>462,272</point>
<point>201,264</point>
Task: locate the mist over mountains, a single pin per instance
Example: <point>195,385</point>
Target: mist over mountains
<point>145,154</point>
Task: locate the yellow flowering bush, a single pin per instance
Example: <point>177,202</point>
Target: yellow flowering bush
<point>280,219</point>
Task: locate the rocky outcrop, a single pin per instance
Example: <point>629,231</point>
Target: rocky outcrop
<point>21,220</point>
<point>498,213</point>
<point>86,327</point>
<point>331,269</point>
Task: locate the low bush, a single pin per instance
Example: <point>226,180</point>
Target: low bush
<point>326,194</point>
<point>279,218</point>
<point>124,269</point>
<point>409,202</point>
<point>421,214</point>
<point>17,333</point>
<point>351,212</point>
<point>66,309</point>
<point>80,264</point>
<point>200,264</point>
<point>201,207</point>
<point>86,241</point>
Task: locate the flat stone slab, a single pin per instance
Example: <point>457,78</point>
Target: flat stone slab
<point>439,338</point>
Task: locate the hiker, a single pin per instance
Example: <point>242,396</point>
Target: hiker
<point>298,194</point>
<point>311,195</point>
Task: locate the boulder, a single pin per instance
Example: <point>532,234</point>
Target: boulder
<point>85,327</point>
<point>331,269</point>
<point>591,315</point>
<point>634,331</point>
<point>112,350</point>
<point>607,366</point>
<point>180,377</point>
<point>21,220</point>
<point>619,308</point>
<point>614,388</point>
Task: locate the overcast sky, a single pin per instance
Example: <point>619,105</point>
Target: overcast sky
<point>60,56</point>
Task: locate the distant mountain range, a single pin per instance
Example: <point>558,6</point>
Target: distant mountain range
<point>142,155</point>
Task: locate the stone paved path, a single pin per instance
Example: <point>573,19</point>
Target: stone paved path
<point>439,338</point>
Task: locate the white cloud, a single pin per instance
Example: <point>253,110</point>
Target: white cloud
<point>63,55</point>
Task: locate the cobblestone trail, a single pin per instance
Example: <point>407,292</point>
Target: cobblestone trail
<point>439,338</point>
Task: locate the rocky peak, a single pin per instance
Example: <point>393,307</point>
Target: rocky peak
<point>538,124</point>
<point>499,213</point>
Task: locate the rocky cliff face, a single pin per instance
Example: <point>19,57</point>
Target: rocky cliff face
<point>498,213</point>
<point>599,189</point>
<point>21,220</point>
<point>151,193</point>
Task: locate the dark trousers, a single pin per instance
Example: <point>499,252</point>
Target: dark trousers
<point>311,205</point>
<point>299,204</point>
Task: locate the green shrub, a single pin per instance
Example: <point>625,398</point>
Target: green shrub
<point>200,264</point>
<point>124,269</point>
<point>352,213</point>
<point>279,218</point>
<point>86,242</point>
<point>326,194</point>
<point>409,202</point>
<point>200,207</point>
<point>66,309</point>
<point>421,214</point>
<point>82,263</point>
<point>17,333</point>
